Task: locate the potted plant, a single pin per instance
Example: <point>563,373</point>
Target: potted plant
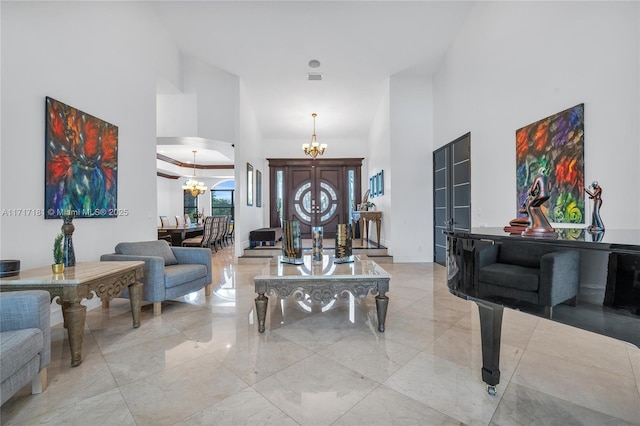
<point>368,205</point>
<point>58,255</point>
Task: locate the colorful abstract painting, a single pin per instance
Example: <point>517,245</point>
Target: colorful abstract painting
<point>555,143</point>
<point>81,163</point>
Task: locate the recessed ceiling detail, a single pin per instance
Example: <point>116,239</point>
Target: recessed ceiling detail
<point>314,63</point>
<point>314,76</point>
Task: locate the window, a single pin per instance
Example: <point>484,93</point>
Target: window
<point>223,199</point>
<point>190,205</point>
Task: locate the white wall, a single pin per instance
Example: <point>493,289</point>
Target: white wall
<point>336,148</point>
<point>217,99</point>
<point>106,73</point>
<point>379,158</point>
<point>514,63</point>
<point>249,149</point>
<point>410,175</point>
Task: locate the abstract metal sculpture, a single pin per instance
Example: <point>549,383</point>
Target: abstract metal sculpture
<point>539,225</point>
<point>596,196</point>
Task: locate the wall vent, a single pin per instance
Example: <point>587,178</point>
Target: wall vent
<point>314,76</point>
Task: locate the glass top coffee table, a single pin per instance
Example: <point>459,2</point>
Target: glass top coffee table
<point>322,282</point>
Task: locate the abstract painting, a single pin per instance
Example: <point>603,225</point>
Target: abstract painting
<point>555,144</point>
<point>81,164</point>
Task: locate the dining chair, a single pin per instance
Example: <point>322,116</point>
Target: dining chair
<point>179,221</point>
<point>203,240</point>
<point>164,221</point>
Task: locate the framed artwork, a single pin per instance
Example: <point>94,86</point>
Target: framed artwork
<point>81,163</point>
<point>249,184</point>
<point>555,145</point>
<point>380,185</point>
<point>372,186</point>
<point>258,188</point>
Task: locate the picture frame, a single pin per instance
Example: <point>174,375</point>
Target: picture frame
<point>372,186</point>
<point>258,188</point>
<point>81,164</point>
<point>249,184</point>
<point>380,184</point>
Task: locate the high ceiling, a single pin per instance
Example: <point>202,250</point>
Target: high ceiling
<point>269,45</point>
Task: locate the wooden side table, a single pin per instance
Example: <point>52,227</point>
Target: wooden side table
<point>365,217</point>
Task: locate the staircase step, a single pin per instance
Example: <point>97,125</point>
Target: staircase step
<point>381,258</point>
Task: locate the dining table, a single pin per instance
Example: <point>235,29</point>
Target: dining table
<point>180,233</point>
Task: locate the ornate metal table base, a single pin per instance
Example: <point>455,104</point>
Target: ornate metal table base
<point>382,301</point>
<point>359,279</point>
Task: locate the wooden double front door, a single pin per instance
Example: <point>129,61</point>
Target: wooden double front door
<point>320,192</point>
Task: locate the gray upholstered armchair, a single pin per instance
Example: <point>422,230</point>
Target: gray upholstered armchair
<point>25,341</point>
<point>169,272</point>
<point>529,273</point>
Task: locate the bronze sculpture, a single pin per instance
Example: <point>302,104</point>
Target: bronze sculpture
<point>596,196</point>
<point>539,225</point>
<point>519,224</point>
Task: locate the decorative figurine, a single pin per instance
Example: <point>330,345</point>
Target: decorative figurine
<point>519,224</point>
<point>596,196</point>
<point>539,225</point>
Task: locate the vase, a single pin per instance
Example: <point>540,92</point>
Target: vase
<point>57,268</point>
<point>67,230</point>
<point>316,243</point>
<point>343,250</point>
<point>291,242</point>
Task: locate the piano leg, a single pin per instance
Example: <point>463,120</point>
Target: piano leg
<point>490,332</point>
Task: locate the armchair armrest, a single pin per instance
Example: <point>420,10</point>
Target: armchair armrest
<point>195,255</point>
<point>559,276</point>
<point>488,255</point>
<point>28,309</point>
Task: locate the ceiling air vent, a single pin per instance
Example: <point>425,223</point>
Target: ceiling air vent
<point>314,76</point>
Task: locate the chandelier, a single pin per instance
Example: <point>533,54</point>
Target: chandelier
<point>313,148</point>
<point>193,186</point>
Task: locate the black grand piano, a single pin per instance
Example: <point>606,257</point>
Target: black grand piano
<point>495,269</point>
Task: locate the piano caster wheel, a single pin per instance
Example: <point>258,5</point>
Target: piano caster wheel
<point>491,390</point>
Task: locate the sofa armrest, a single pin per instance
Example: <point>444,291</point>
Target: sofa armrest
<point>488,255</point>
<point>197,255</point>
<point>28,309</point>
<point>559,277</point>
<point>153,280</point>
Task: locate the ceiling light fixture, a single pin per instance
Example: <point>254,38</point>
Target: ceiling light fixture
<point>193,186</point>
<point>313,148</point>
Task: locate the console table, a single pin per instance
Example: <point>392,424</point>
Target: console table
<point>323,282</point>
<point>366,216</point>
<point>106,279</point>
<point>613,311</point>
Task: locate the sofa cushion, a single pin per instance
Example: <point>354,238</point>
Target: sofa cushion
<point>17,347</point>
<point>175,275</point>
<point>514,276</point>
<point>527,255</point>
<point>159,248</point>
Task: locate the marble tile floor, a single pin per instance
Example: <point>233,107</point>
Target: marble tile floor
<point>203,362</point>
